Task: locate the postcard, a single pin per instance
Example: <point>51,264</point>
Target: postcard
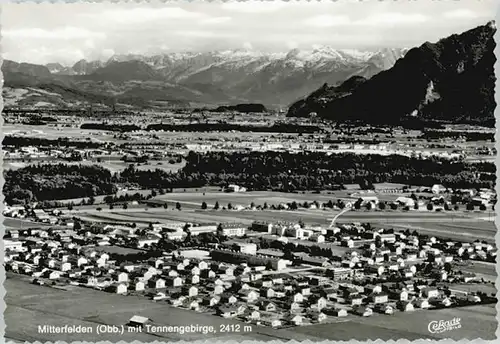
<point>188,170</point>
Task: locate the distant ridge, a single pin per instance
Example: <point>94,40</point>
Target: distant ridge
<point>213,78</point>
<point>451,80</point>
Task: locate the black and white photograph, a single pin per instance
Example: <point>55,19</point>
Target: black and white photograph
<point>262,171</point>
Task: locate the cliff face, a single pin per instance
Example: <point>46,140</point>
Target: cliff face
<point>451,80</point>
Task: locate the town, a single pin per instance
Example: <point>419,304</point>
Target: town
<point>304,178</point>
<point>273,274</point>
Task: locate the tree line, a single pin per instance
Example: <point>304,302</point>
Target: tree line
<point>278,171</point>
<point>43,182</point>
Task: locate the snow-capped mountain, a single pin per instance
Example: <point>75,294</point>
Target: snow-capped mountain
<point>229,75</point>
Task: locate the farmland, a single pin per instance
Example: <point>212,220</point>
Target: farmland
<point>476,321</point>
<point>457,225</point>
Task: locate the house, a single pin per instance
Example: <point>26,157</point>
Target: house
<point>317,316</point>
<point>193,279</point>
<point>405,306</point>
<point>473,298</point>
<point>400,295</point>
<point>207,273</point>
<point>178,301</point>
<point>267,306</point>
<point>384,309</point>
<point>297,297</point>
<point>211,300</point>
<point>231,229</point>
<point>438,189</point>
<point>156,282</point>
<point>122,277</point>
<point>173,281</point>
<point>379,298</point>
<point>253,314</point>
<point>270,321</point>
<point>369,289</point>
<point>189,291</point>
<point>138,285</point>
<point>267,292</point>
<point>118,288</point>
<point>228,298</point>
<point>421,303</point>
<point>216,290</point>
<point>195,270</point>
<point>230,311</point>
<point>318,303</point>
<point>305,291</point>
<point>249,295</point>
<point>355,300</point>
<point>191,304</point>
<point>294,319</point>
<point>362,311</point>
<point>54,274</point>
<point>430,292</point>
<point>338,312</point>
<point>138,321</point>
<point>446,302</point>
<point>292,306</point>
<point>203,265</point>
<point>259,226</point>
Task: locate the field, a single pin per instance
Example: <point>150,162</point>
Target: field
<point>453,225</point>
<point>30,305</point>
<point>18,223</point>
<point>114,164</point>
<point>483,270</point>
<point>477,322</point>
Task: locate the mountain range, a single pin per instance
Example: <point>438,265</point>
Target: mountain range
<point>208,78</point>
<point>450,80</point>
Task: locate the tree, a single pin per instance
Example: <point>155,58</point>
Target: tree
<point>178,206</point>
<point>430,206</point>
<point>482,207</point>
<point>357,204</point>
<point>70,206</point>
<point>294,206</point>
<point>125,205</point>
<point>265,206</point>
<point>252,205</point>
<point>91,200</point>
<point>99,209</point>
<point>381,205</point>
<point>77,225</point>
<point>394,206</point>
<point>165,205</point>
<point>470,206</point>
<point>229,206</point>
<point>369,206</point>
<point>216,206</point>
<point>111,206</point>
<point>153,193</point>
<point>416,207</point>
<point>456,207</point>
<point>204,205</point>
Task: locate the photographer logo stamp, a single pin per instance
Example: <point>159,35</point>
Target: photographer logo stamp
<point>440,326</point>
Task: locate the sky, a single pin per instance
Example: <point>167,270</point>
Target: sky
<point>68,32</point>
